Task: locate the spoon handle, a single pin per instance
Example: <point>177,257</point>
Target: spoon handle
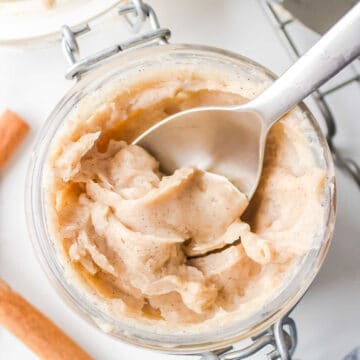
<point>337,48</point>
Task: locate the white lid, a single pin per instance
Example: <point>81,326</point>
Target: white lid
<point>30,21</point>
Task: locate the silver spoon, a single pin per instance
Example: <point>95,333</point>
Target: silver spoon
<point>230,140</point>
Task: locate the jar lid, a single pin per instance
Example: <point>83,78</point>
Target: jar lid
<point>25,22</point>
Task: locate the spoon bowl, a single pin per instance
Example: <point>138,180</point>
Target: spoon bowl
<point>215,139</point>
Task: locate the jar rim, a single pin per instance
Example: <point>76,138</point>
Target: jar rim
<point>41,238</point>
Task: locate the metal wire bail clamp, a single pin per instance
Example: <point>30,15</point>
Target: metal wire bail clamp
<point>141,12</point>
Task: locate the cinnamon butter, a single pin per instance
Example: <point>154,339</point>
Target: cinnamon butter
<point>183,251</point>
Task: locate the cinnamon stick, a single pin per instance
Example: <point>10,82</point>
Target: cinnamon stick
<point>12,131</point>
<point>34,329</point>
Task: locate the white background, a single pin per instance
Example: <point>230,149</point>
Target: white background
<point>32,82</point>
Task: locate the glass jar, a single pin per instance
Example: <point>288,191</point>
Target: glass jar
<point>142,60</point>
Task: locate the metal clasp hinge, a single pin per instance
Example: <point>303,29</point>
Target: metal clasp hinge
<point>136,13</point>
<point>282,336</point>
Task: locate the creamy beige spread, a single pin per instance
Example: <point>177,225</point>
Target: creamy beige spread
<point>182,249</point>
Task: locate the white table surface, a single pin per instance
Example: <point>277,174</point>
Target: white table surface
<point>32,82</point>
